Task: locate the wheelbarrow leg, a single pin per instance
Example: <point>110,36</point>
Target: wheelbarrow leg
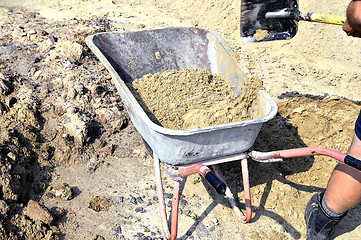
<point>175,205</point>
<point>177,176</point>
<point>162,209</point>
<point>246,188</point>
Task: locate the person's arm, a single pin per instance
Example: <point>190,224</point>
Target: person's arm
<point>352,25</point>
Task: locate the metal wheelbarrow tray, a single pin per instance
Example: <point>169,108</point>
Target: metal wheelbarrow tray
<point>131,55</point>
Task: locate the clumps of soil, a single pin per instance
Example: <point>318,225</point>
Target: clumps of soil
<point>97,237</point>
<point>56,108</point>
<point>260,34</point>
<point>62,191</point>
<point>36,212</point>
<point>193,98</point>
<point>99,204</point>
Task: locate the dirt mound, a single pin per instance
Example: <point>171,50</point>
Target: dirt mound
<point>49,86</point>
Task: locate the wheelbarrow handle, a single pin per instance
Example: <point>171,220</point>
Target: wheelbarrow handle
<point>308,151</point>
<point>211,178</point>
<point>353,162</point>
<point>216,183</point>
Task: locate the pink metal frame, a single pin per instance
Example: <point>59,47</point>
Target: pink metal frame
<point>202,169</point>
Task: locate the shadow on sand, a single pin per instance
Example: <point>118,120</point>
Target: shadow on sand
<point>277,134</point>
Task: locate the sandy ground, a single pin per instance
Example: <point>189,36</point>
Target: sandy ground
<point>313,77</point>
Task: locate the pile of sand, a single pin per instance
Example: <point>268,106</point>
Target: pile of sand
<point>192,98</point>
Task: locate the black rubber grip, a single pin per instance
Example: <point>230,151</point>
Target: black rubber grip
<point>215,182</point>
<point>353,162</point>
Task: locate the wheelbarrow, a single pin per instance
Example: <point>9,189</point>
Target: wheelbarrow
<point>131,55</point>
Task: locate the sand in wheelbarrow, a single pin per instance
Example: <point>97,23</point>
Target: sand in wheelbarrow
<point>192,98</point>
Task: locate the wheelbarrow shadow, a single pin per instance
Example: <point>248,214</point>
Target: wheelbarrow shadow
<point>197,227</point>
<point>276,134</point>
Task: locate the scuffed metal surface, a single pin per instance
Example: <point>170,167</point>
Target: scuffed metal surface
<point>131,55</point>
